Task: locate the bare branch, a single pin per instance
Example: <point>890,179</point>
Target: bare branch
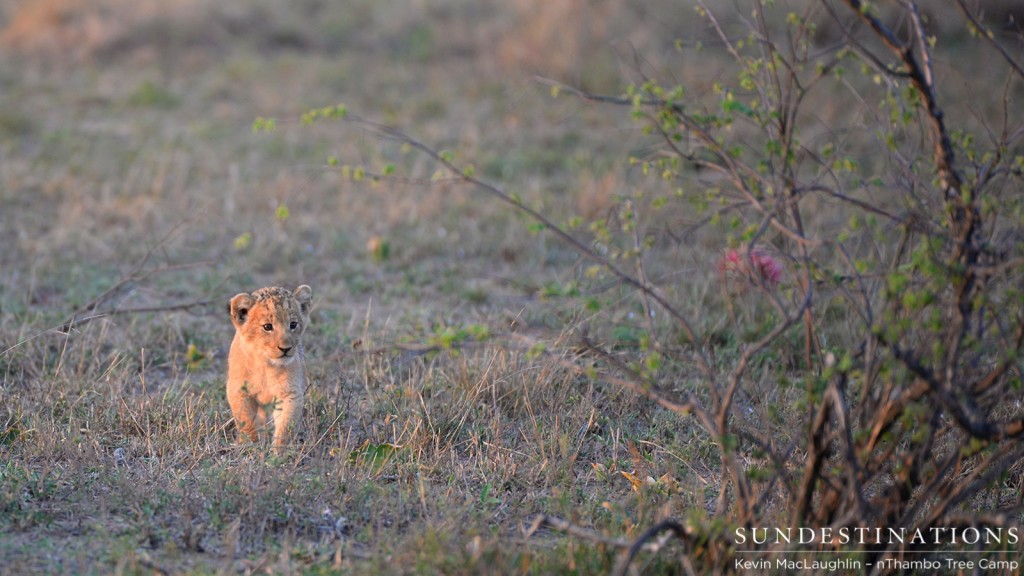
<point>921,79</point>
<point>542,520</point>
<point>928,71</point>
<point>812,468</point>
<point>726,165</point>
<point>583,249</point>
<point>636,383</point>
<point>859,48</point>
<point>141,310</point>
<point>674,530</point>
<point>990,37</point>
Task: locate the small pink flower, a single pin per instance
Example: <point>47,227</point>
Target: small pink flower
<point>757,264</point>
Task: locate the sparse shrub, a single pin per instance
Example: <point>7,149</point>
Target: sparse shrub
<point>901,419</point>
<point>876,382</point>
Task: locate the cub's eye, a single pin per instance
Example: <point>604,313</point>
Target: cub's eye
<point>294,325</point>
<point>268,327</point>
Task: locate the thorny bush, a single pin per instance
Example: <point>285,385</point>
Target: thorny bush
<point>868,374</point>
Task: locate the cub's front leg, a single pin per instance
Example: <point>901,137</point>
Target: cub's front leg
<point>287,418</point>
<point>244,408</point>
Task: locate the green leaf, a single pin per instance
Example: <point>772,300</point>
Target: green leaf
<point>480,332</point>
<point>242,241</point>
<point>262,124</point>
<point>282,212</point>
<point>375,455</point>
<point>536,350</point>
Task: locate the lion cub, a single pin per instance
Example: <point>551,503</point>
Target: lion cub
<point>266,370</point>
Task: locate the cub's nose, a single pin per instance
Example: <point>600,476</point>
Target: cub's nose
<point>285,351</point>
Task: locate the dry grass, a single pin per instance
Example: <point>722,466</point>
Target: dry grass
<point>126,132</point>
<point>129,129</point>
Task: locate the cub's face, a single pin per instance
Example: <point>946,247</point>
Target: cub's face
<point>270,321</point>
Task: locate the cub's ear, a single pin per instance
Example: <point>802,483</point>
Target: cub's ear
<point>304,296</point>
<point>239,308</point>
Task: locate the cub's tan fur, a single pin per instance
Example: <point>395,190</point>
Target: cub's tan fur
<point>266,370</point>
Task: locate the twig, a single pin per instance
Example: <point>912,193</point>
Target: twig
<point>635,383</point>
<point>721,429</point>
<point>674,529</point>
<point>841,411</point>
<point>920,78</point>
<point>993,467</point>
<point>987,35</point>
<point>730,167</point>
<point>55,329</point>
<point>816,455</point>
<point>542,520</point>
<point>163,308</point>
<point>134,275</point>
<point>73,323</point>
<point>859,48</point>
<point>76,322</point>
<point>583,249</point>
<point>144,559</point>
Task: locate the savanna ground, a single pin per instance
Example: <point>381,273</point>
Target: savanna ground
<point>449,403</point>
